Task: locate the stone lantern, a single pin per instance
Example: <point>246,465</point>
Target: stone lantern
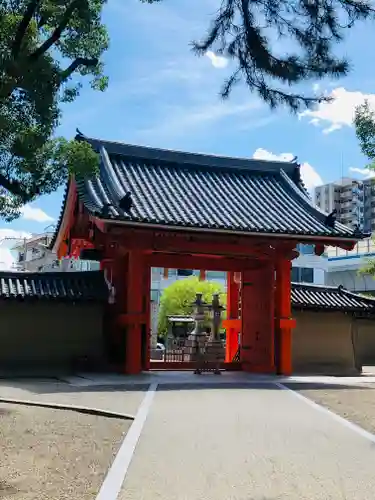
<point>195,344</point>
<point>215,351</point>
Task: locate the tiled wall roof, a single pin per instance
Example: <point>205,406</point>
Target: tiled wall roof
<point>329,298</point>
<point>54,286</point>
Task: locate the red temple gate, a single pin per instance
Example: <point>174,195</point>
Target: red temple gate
<point>248,221</point>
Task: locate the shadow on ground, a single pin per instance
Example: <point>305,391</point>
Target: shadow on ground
<point>203,382</point>
<point>4,411</point>
<point>7,489</point>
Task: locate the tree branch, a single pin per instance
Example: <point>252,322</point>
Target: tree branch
<point>58,31</point>
<point>80,61</point>
<point>16,188</point>
<point>31,8</point>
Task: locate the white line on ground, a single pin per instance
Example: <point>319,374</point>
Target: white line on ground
<point>113,481</point>
<point>353,427</point>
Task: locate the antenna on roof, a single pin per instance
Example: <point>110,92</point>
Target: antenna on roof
<point>295,159</point>
<point>342,167</point>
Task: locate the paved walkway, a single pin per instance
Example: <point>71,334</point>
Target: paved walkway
<point>251,443</point>
<point>240,438</point>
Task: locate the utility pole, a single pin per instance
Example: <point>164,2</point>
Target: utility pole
<point>24,253</point>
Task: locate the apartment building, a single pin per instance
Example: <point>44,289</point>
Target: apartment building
<point>354,201</point>
<point>33,254</point>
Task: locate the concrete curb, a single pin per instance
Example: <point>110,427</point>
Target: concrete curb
<point>79,409</point>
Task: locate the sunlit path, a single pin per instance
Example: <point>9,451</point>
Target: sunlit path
<point>255,442</point>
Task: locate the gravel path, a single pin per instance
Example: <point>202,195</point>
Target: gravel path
<point>258,443</point>
<point>356,404</point>
<point>55,454</point>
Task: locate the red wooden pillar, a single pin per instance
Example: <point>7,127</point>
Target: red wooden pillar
<point>257,315</point>
<point>147,309</point>
<point>232,313</point>
<point>202,275</point>
<point>134,312</point>
<point>283,320</point>
<point>115,270</point>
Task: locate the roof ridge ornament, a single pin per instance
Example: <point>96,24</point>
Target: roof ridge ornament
<point>80,135</point>
<point>358,233</point>
<point>126,203</point>
<point>331,219</point>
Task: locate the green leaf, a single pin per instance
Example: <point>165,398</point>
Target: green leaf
<point>364,121</point>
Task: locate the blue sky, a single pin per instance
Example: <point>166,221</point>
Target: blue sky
<point>161,94</point>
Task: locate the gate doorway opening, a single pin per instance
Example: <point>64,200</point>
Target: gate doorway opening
<point>174,324</point>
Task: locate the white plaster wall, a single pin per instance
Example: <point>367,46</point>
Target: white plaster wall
<point>351,280</point>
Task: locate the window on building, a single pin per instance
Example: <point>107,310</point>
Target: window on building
<point>303,274</point>
<point>295,274</point>
<point>307,274</point>
<point>184,272</point>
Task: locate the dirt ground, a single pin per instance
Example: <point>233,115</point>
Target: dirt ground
<point>55,454</point>
<point>356,404</point>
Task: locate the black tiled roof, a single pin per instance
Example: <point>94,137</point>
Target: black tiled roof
<point>330,299</point>
<point>187,190</point>
<point>54,286</point>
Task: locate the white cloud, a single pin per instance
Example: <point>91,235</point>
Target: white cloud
<point>36,214</point>
<point>310,176</point>
<point>338,113</point>
<point>217,61</point>
<point>8,239</point>
<point>367,173</point>
<point>185,120</point>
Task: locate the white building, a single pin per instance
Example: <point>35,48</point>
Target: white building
<point>343,267</point>
<point>33,255</point>
<point>308,267</point>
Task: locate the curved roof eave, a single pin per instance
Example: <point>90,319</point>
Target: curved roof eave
<point>66,213</point>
